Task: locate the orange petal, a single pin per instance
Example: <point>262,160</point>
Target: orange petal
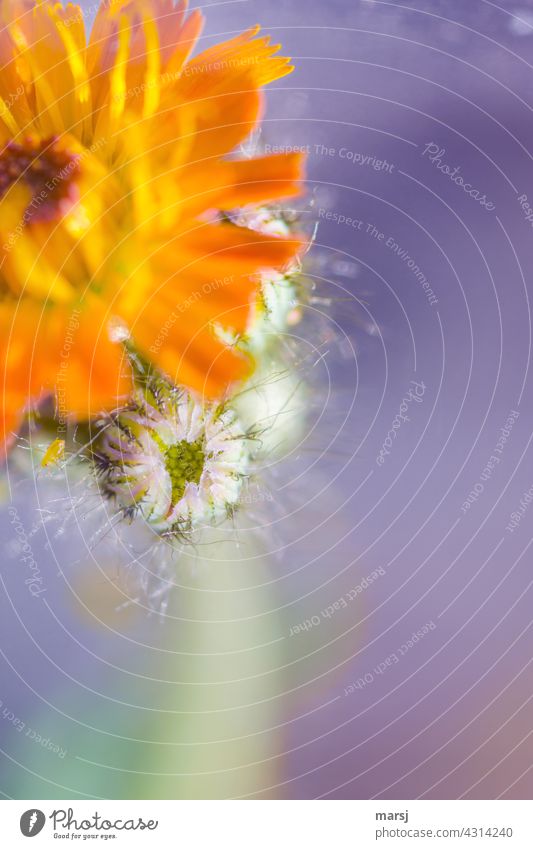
<point>227,185</point>
<point>222,86</point>
<point>64,351</point>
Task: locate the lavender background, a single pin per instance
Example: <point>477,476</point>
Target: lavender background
<point>220,699</point>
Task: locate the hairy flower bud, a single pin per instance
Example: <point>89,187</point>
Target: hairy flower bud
<point>178,463</point>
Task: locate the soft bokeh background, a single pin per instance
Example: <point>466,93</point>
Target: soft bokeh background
<point>217,698</point>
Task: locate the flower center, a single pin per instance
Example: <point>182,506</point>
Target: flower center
<point>48,170</point>
<point>184,462</point>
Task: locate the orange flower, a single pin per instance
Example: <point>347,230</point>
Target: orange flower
<point>115,160</point>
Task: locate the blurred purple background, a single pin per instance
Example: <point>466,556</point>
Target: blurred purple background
<point>352,709</point>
